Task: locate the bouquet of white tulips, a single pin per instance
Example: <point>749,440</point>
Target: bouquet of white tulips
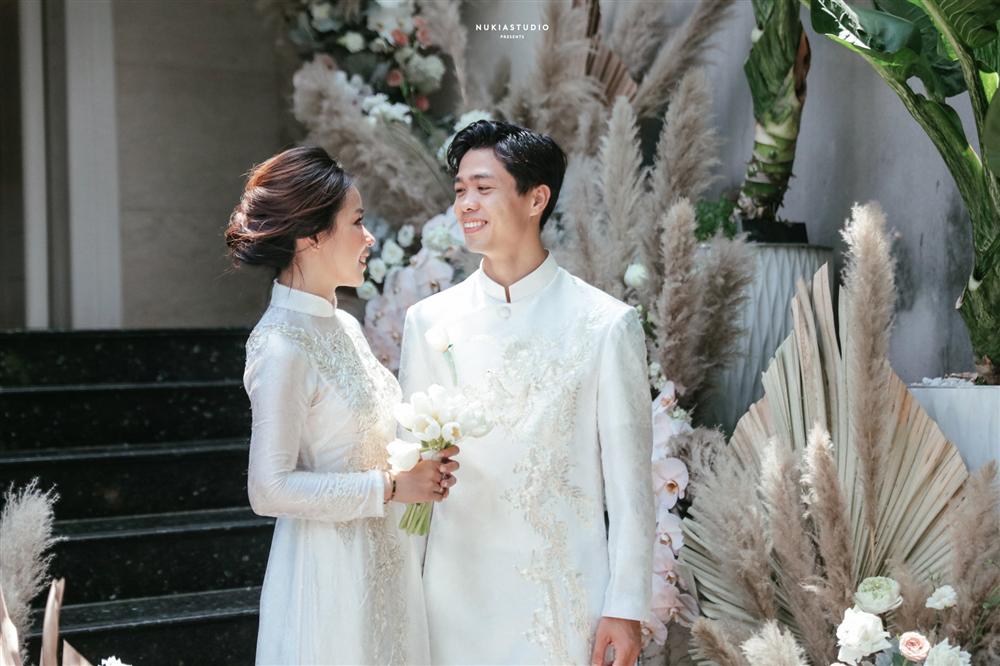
<point>439,418</point>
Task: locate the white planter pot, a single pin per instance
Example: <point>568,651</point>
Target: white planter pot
<point>768,318</point>
<point>969,416</point>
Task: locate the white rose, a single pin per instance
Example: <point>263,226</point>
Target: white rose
<point>451,431</point>
<point>403,455</point>
<point>636,275</point>
<point>859,635</point>
<point>392,254</point>
<point>654,370</point>
<point>321,11</point>
<point>112,661</point>
<point>943,597</point>
<point>367,290</point>
<point>878,595</point>
<point>352,41</point>
<point>425,428</point>
<point>405,415</point>
<point>376,270</point>
<point>944,654</point>
<point>437,338</point>
<point>470,117</point>
<point>405,235</point>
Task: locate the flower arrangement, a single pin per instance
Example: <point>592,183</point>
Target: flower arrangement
<point>833,482</point>
<point>862,638</point>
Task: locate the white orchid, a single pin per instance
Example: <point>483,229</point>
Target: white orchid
<point>670,479</point>
<point>669,530</point>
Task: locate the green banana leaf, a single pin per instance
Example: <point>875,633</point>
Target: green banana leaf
<point>991,136</point>
<point>974,22</point>
<point>935,65</point>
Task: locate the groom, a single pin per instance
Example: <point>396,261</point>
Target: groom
<point>520,566</point>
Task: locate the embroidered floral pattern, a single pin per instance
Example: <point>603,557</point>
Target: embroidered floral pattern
<point>555,366</point>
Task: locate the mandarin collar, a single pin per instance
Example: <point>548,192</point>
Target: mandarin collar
<point>301,301</point>
<point>524,288</point>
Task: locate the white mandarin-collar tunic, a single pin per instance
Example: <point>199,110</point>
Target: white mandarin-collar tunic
<point>519,564</point>
<point>342,586</point>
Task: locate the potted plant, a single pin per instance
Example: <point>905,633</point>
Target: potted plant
<point>952,49</point>
<point>776,70</point>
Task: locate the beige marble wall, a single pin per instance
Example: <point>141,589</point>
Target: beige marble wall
<point>199,102</point>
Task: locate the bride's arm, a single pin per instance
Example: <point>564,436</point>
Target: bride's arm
<point>626,440</point>
<point>281,384</point>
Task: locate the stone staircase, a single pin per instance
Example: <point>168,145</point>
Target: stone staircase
<point>144,436</point>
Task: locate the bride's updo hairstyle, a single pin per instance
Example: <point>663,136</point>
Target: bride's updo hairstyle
<point>295,194</point>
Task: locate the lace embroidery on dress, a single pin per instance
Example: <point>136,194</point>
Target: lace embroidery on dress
<point>343,359</point>
<point>546,376</point>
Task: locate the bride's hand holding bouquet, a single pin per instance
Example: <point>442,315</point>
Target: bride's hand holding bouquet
<point>440,420</point>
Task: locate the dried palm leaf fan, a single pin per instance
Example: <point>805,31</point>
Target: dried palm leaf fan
<point>602,63</point>
<point>897,473</point>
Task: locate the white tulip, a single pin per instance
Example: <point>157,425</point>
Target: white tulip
<point>421,403</point>
<point>451,431</point>
<point>426,428</point>
<point>437,338</point>
<point>405,415</point>
<point>403,455</point>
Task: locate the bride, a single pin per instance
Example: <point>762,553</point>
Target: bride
<point>341,585</point>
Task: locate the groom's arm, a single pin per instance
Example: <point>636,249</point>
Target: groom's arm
<point>626,436</point>
<point>418,367</point>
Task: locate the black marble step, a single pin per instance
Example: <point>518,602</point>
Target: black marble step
<point>96,414</point>
<point>203,629</point>
<point>127,479</point>
<point>107,559</point>
<point>36,358</point>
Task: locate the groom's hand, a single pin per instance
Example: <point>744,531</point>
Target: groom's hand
<point>625,636</point>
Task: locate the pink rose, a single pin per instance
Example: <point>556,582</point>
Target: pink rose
<point>424,37</point>
<point>394,78</point>
<point>422,103</point>
<point>400,37</point>
<point>913,646</point>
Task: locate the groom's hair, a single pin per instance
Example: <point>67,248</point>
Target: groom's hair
<point>533,159</point>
